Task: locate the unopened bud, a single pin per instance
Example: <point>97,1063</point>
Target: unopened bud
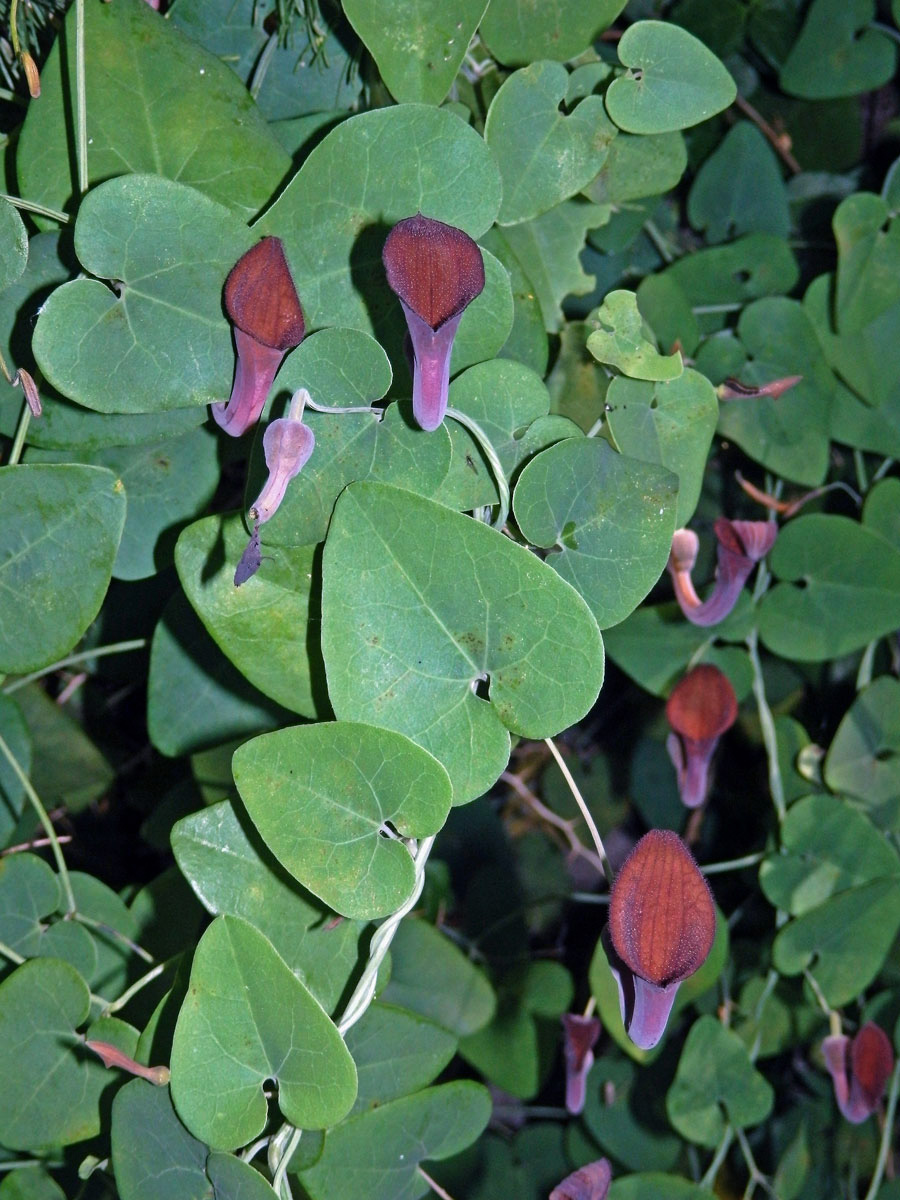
<point>32,75</point>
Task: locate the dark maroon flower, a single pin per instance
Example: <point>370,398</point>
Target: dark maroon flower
<point>662,924</point>
<point>859,1070</point>
<point>700,708</point>
<point>741,546</point>
<point>261,300</point>
<point>436,271</point>
<point>587,1183</point>
<point>580,1035</point>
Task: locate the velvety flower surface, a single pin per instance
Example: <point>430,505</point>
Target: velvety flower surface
<point>700,708</point>
<point>662,924</point>
<point>436,271</point>
<point>262,302</point>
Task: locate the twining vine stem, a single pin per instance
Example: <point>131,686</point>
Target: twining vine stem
<point>585,811</point>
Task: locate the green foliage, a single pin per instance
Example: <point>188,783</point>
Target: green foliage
<point>334,890</point>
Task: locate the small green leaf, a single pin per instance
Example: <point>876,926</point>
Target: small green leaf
<point>324,797</point>
<point>844,941</point>
<point>12,793</point>
<point>375,1155</point>
<point>51,1090</point>
<point>156,102</point>
<point>418,45</point>
<point>620,339</point>
<point>673,80</point>
<point>160,340</point>
<point>234,874</point>
<point>849,589</point>
<point>625,1114</point>
<point>608,520</point>
<point>61,530</point>
<point>638,167</point>
<point>864,756</point>
<point>431,976</point>
<point>153,1155</point>
<point>519,31</point>
<point>827,847</point>
<point>715,1072</point>
<point>396,1053</point>
<point>474,606</point>
<point>264,627</point>
<point>544,156</point>
<point>13,245</point>
<point>837,53</point>
<point>247,1018</point>
<point>656,1186</point>
<point>29,892</point>
<point>70,769</point>
<point>739,189</point>
<point>671,423</point>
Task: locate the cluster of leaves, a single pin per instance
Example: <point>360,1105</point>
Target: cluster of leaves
<point>348,755</point>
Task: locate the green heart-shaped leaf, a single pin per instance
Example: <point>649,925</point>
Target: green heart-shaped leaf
<point>420,604</point>
<point>375,1156</point>
<point>715,1072</point>
<point>418,45</point>
<point>673,80</point>
<point>670,423</point>
<point>58,541</point>
<point>544,155</point>
<point>256,887</point>
<point>843,942</point>
<point>156,102</point>
<point>247,1018</point>
<point>739,188</point>
<point>864,756</point>
<point>608,519</point>
<point>160,341</point>
<point>837,53</point>
<point>51,1090</point>
<point>850,589</point>
<point>396,1053</point>
<point>828,845</point>
<point>519,31</point>
<point>323,798</point>
<point>264,627</point>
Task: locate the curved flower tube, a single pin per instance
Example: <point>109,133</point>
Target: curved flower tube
<point>261,300</point>
<point>742,544</point>
<point>700,708</point>
<point>662,924</point>
<point>436,271</point>
<point>287,445</point>
<point>859,1070</point>
<point>580,1036</point>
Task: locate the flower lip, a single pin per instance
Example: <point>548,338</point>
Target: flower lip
<point>435,269</point>
<point>748,539</point>
<point>260,297</point>
<point>702,705</point>
<point>662,920</point>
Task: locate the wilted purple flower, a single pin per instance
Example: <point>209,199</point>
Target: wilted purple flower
<point>741,546</point>
<point>859,1070</point>
<point>662,924</point>
<point>287,445</point>
<point>702,705</point>
<point>261,300</point>
<point>587,1183</point>
<point>580,1035</point>
<point>436,271</point>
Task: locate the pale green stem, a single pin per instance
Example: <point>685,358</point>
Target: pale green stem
<point>718,1158</point>
<point>80,100</point>
<point>596,427</point>
<point>253,1149</point>
<point>864,674</point>
<point>733,864</point>
<point>767,725</point>
<point>702,309</point>
<point>262,66</point>
<point>883,470</point>
<point>136,987</point>
<point>41,209</point>
<point>13,955</point>
<point>102,927</point>
<point>890,32</point>
<point>757,1179</point>
<point>71,659</point>
<point>45,821</point>
<point>14,1164</point>
<point>21,431</point>
<point>13,28</point>
<point>859,463</point>
<point>659,241</point>
<point>280,1185</point>
<point>491,455</point>
<point>887,1135</point>
<point>434,1185</point>
<point>585,811</point>
<point>341,408</point>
